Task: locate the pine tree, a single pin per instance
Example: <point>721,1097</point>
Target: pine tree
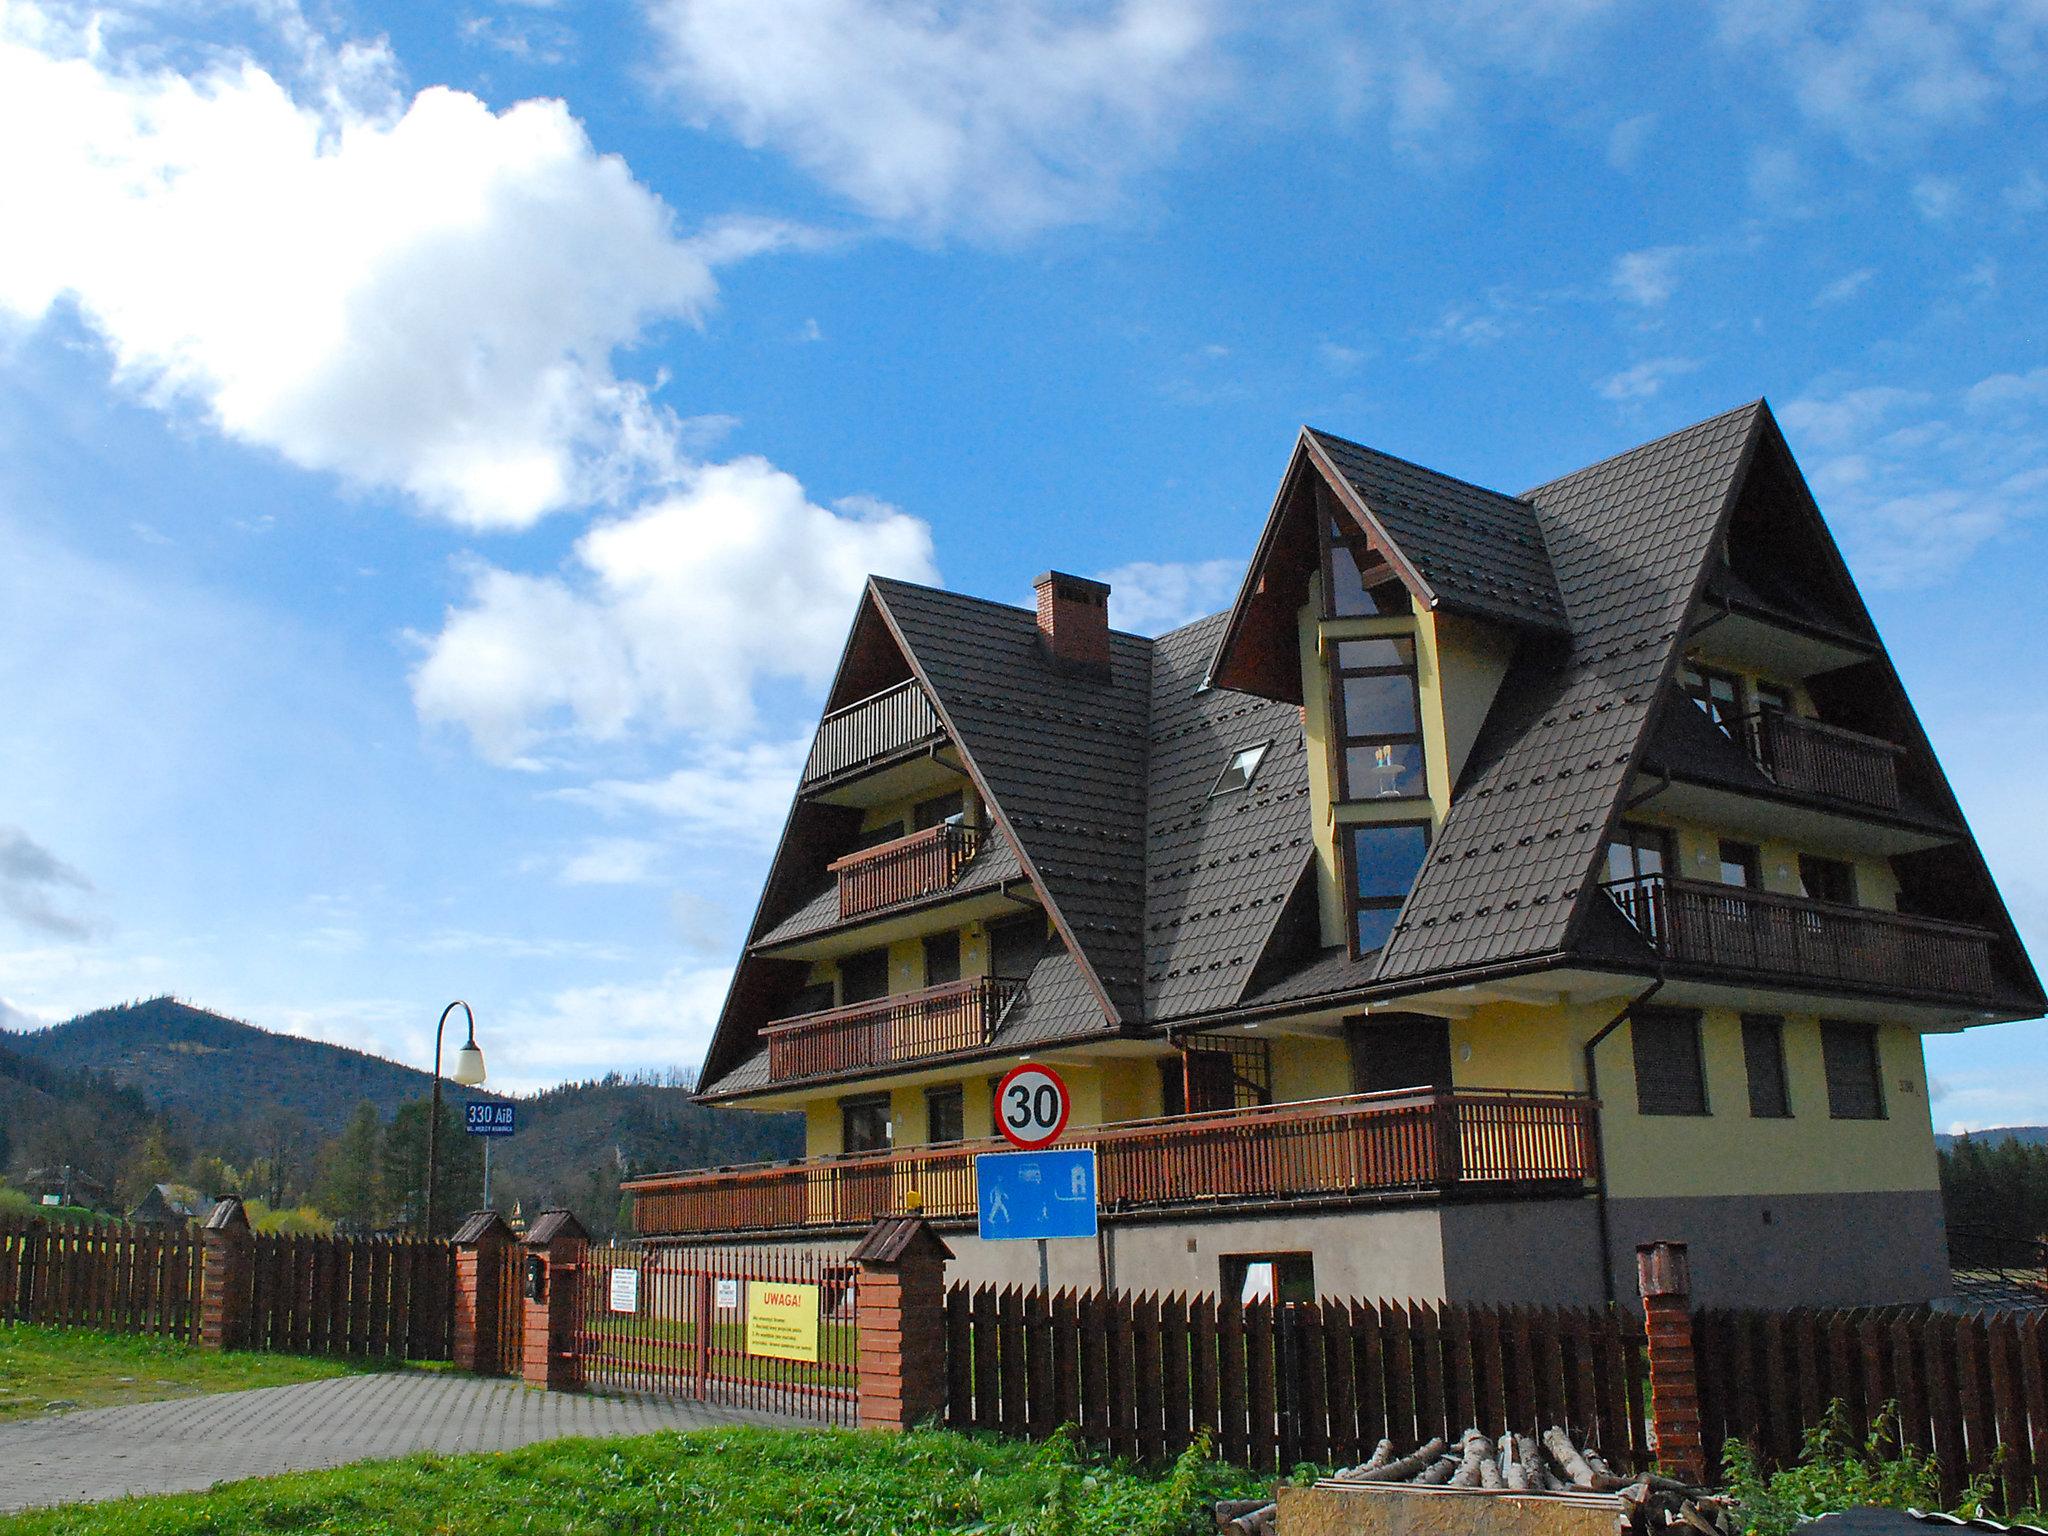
<point>349,1189</point>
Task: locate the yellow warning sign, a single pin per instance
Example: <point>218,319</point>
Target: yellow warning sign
<point>782,1320</point>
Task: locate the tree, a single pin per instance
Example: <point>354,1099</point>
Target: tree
<point>402,1168</point>
<point>349,1189</point>
<point>150,1165</point>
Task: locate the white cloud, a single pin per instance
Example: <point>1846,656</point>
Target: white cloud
<point>1844,288</point>
<point>38,889</point>
<point>998,118</point>
<point>1627,140</point>
<point>587,1031</point>
<point>1644,380</point>
<point>1149,597</point>
<point>420,295</point>
<point>737,795</point>
<point>1916,482</point>
<point>1647,278</point>
<point>666,618</point>
<point>1937,198</point>
<point>612,861</point>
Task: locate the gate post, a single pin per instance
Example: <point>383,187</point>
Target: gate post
<point>480,1245</point>
<point>225,1244</point>
<point>1664,1276</point>
<point>558,1245</point>
<point>900,1277</point>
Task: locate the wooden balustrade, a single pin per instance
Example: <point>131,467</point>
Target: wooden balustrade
<point>1419,1142</point>
<point>1761,935</point>
<point>877,726</point>
<point>1818,759</point>
<point>904,868</point>
<point>909,1026</point>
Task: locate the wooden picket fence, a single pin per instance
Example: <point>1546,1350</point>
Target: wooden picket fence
<point>1971,1390</point>
<point>1273,1385</point>
<point>122,1278</point>
<point>375,1297</point>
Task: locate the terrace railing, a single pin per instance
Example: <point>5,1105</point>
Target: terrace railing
<point>878,726</point>
<point>1416,1142</point>
<point>1825,760</point>
<point>909,1026</point>
<point>904,869</point>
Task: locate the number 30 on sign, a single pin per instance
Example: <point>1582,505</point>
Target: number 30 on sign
<point>1032,1106</point>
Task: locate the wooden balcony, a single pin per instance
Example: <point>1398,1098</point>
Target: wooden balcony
<point>938,1021</point>
<point>904,869</point>
<point>1414,1143</point>
<point>1764,937</point>
<point>879,727</point>
<point>1825,760</point>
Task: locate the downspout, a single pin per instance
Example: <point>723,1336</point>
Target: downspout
<point>1599,1139</point>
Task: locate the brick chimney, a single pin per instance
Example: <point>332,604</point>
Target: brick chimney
<point>1073,622</point>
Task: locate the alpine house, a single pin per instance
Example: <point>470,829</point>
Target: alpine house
<point>1503,881</point>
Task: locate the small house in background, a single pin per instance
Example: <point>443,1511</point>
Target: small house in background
<point>67,1185</point>
<point>1502,882</point>
<point>171,1205</point>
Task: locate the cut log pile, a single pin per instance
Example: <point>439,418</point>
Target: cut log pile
<point>1514,1463</point>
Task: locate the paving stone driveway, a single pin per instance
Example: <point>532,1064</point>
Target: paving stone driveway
<point>195,1442</point>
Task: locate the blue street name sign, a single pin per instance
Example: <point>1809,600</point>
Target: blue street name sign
<point>488,1119</point>
<point>1036,1194</point>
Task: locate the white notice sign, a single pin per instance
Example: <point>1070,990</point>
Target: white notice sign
<point>728,1294</point>
<point>625,1290</point>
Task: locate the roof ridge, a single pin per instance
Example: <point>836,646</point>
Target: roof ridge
<point>1655,442</point>
<point>1435,474</point>
<point>987,602</point>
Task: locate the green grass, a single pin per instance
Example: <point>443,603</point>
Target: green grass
<point>734,1482</point>
<point>91,1369</point>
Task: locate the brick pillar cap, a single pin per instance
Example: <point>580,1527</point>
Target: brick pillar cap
<point>896,1238</point>
<point>1663,1269</point>
<point>478,1226</point>
<point>550,1225</point>
<point>228,1215</point>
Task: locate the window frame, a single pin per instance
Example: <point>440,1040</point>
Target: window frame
<point>1834,1030</point>
<point>1343,743</point>
<point>1258,751</point>
<point>855,1103</point>
<point>1751,863</point>
<point>959,952</point>
<point>938,1093</point>
<point>1754,1026</point>
<point>1847,869</point>
<point>1365,555</point>
<point>1696,680</point>
<point>1691,1021</point>
<point>1353,902</point>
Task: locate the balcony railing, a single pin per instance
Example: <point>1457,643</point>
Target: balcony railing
<point>1761,936</point>
<point>904,869</point>
<point>1414,1142</point>
<point>1817,759</point>
<point>910,1026</point>
<point>878,726</point>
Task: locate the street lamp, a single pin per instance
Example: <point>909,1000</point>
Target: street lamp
<point>469,1071</point>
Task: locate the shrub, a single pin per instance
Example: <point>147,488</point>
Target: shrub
<point>1836,1471</point>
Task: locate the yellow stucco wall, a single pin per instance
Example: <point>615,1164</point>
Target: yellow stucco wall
<point>1699,858</point>
<point>1309,1067</point>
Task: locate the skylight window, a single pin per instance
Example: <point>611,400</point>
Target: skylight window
<point>1241,769</point>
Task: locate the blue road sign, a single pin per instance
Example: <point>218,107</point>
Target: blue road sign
<point>481,1119</point>
<point>1036,1194</point>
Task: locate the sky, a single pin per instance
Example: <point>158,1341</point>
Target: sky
<point>441,446</point>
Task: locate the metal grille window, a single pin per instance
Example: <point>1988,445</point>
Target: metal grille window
<point>1378,710</point>
<point>1855,1078</point>
<point>1216,1072</point>
<point>1384,857</point>
<point>1763,1055</point>
<point>1671,1076</point>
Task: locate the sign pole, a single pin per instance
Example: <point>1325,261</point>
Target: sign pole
<point>487,1173</point>
<point>1044,1269</point>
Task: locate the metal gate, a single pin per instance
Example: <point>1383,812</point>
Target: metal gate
<point>772,1329</point>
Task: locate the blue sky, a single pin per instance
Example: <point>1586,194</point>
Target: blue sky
<point>440,446</point>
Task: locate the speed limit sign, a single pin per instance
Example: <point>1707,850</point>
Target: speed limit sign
<point>1032,1105</point>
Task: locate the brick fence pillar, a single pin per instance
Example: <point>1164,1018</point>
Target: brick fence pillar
<point>901,1277</point>
<point>226,1244</point>
<point>1664,1276</point>
<point>480,1256</point>
<point>558,1240</point>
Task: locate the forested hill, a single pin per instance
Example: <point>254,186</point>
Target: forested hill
<point>2025,1135</point>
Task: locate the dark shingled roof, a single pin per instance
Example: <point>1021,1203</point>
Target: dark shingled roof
<point>1629,539</point>
<point>1478,551</point>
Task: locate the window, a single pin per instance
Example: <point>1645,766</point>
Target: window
<point>814,998</point>
<point>1384,858</point>
<point>1379,719</point>
<point>864,1123</point>
<point>1241,769</point>
<point>1357,581</point>
<point>1216,1072</point>
<point>1832,880</point>
<point>1671,1077</point>
<point>942,958</point>
<point>1014,945</point>
<point>1763,1054</point>
<point>864,976</point>
<point>1718,693</point>
<point>1773,700</point>
<point>874,837</point>
<point>1390,1051</point>
<point>943,1113</point>
<point>940,808</point>
<point>1636,860</point>
<point>1268,1277</point>
<point>1855,1088</point>
<point>1741,864</point>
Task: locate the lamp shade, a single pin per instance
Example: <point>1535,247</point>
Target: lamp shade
<point>469,1066</point>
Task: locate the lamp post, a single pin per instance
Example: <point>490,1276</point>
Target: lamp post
<point>469,1071</point>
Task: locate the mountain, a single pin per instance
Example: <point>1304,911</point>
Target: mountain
<point>2025,1135</point>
